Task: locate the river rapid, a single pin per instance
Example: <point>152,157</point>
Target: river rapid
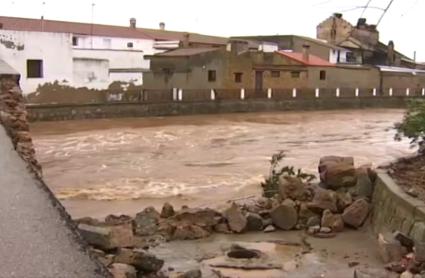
<point>98,167</point>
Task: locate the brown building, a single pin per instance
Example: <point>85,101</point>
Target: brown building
<point>238,67</point>
<point>362,40</point>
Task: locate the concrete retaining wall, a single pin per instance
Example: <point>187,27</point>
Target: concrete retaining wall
<point>114,110</point>
<point>395,210</point>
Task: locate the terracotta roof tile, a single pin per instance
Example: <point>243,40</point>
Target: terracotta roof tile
<point>54,26</point>
<point>312,60</point>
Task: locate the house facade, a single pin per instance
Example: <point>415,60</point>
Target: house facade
<point>235,68</point>
<point>322,49</point>
<point>362,40</point>
<point>85,55</point>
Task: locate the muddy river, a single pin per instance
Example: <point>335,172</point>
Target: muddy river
<point>97,167</point>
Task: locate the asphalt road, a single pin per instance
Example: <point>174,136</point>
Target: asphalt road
<point>35,239</point>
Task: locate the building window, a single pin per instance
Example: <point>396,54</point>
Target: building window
<point>130,45</point>
<point>74,41</point>
<point>295,74</point>
<point>275,73</point>
<point>238,77</point>
<point>211,75</point>
<point>322,75</point>
<point>34,68</point>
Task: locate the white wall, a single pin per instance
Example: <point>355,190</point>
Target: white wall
<point>333,55</point>
<point>80,65</point>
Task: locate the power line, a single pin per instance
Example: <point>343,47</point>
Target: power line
<point>385,11</point>
<point>365,7</point>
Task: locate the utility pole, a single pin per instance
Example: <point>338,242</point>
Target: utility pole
<point>92,26</point>
<point>385,11</point>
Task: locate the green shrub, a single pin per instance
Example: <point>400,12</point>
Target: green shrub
<point>271,183</point>
<point>413,125</point>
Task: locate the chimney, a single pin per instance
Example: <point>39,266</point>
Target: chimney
<point>338,15</point>
<point>306,52</point>
<point>162,26</point>
<point>361,22</point>
<point>132,22</point>
<point>185,42</point>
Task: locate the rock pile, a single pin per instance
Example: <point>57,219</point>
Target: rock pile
<point>340,200</point>
<point>13,116</point>
<point>402,254</point>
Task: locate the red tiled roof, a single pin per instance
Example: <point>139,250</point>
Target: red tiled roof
<point>54,26</point>
<point>312,59</point>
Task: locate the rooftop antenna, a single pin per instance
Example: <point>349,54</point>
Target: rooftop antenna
<point>385,11</point>
<point>43,4</point>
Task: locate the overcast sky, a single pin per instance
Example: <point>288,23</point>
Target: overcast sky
<point>402,23</point>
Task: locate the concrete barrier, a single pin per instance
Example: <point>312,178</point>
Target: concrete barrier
<point>394,210</point>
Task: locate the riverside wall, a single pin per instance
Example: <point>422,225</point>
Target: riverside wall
<point>56,112</point>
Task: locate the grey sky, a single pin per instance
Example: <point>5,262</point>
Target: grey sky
<point>402,23</point>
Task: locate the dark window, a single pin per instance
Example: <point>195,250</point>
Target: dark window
<point>322,75</point>
<point>275,73</point>
<point>130,44</point>
<point>74,41</point>
<point>295,74</point>
<point>34,68</point>
<point>238,77</point>
<point>211,76</point>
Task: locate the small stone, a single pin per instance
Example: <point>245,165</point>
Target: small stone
<point>412,192</point>
<point>389,249</point>
<point>237,221</point>
<point>119,270</point>
<point>356,213</point>
<point>269,229</point>
<point>222,228</point>
<point>406,274</point>
<point>254,222</point>
<point>139,259</point>
<point>313,221</point>
<point>419,250</point>
<point>325,230</point>
<point>404,240</point>
<point>313,230</point>
<point>332,221</point>
<point>188,232</point>
<point>194,273</point>
<point>285,215</point>
<point>167,211</point>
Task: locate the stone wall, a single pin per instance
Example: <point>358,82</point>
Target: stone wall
<point>395,210</point>
<point>13,116</point>
<point>116,110</point>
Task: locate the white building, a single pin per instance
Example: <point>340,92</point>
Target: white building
<point>85,55</point>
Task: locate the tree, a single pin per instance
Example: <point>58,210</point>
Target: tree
<point>413,125</point>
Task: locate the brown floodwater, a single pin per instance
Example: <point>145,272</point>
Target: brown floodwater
<point>97,167</point>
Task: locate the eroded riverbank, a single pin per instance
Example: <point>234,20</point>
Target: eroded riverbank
<point>98,167</point>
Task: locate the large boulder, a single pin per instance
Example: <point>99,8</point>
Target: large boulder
<point>237,221</point>
<point>119,270</point>
<point>285,215</point>
<point>254,222</point>
<point>117,219</point>
<point>203,217</point>
<point>146,222</point>
<point>323,199</point>
<point>293,188</point>
<point>140,259</point>
<point>187,232</point>
<point>336,171</point>
<point>356,213</point>
<point>332,221</point>
<point>364,185</point>
<point>343,200</point>
<point>107,237</point>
